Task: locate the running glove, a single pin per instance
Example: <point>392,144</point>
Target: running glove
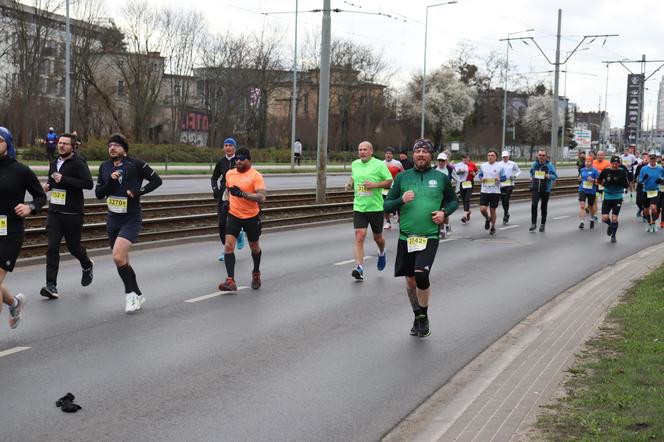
<point>235,191</point>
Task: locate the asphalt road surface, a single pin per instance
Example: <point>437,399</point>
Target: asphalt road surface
<point>312,355</point>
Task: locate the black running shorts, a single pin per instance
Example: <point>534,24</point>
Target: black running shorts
<point>611,206</point>
<point>124,225</point>
<point>489,199</point>
<point>10,247</point>
<point>363,219</point>
<point>583,196</point>
<point>252,227</point>
<point>406,263</point>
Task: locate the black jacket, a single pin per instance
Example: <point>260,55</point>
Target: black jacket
<point>75,177</point>
<point>134,171</point>
<point>15,180</point>
<point>223,166</point>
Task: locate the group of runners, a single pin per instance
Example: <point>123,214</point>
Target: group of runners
<point>419,195</point>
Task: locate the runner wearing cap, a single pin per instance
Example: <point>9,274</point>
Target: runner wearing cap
<point>512,171</point>
<point>120,182</point>
<point>424,197</point>
<point>15,179</point>
<point>491,175</point>
<point>587,192</point>
<point>218,192</point>
<point>395,167</point>
<point>615,181</point>
<point>449,171</point>
<point>369,176</point>
<point>651,176</point>
<point>246,188</point>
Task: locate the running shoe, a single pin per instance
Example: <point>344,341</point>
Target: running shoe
<point>415,327</point>
<point>487,224</point>
<point>132,302</point>
<point>387,226</point>
<point>541,229</point>
<point>49,291</point>
<point>228,285</point>
<point>256,280</point>
<point>532,228</point>
<point>592,224</point>
<point>140,300</point>
<point>613,239</point>
<point>506,219</point>
<point>222,257</point>
<point>15,312</point>
<point>382,261</point>
<point>448,229</point>
<point>464,220</point>
<point>582,225</point>
<point>594,218</point>
<point>423,330</point>
<point>608,230</point>
<point>492,231</point>
<point>86,275</point>
<point>240,240</point>
<point>358,273</point>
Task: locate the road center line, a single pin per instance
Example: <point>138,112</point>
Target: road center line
<point>212,295</point>
<point>349,261</point>
<point>509,227</point>
<point>13,350</point>
<point>561,217</point>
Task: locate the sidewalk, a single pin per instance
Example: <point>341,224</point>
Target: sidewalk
<point>496,397</point>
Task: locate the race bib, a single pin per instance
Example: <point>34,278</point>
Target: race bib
<point>627,163</point>
<point>3,225</point>
<point>588,185</point>
<point>58,197</point>
<point>507,182</point>
<point>467,185</point>
<point>540,174</point>
<point>490,182</point>
<point>117,204</point>
<point>600,187</point>
<point>416,243</point>
<point>362,190</point>
<point>652,193</point>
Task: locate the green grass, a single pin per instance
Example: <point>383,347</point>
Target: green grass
<point>616,389</point>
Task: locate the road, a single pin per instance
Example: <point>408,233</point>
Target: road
<point>313,355</point>
<point>201,184</point>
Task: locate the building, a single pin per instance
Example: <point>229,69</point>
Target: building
<point>660,107</point>
<point>597,122</point>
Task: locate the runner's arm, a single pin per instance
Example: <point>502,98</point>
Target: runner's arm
<point>258,197</point>
<point>154,180</point>
<point>450,201</point>
<point>82,180</point>
<point>34,188</point>
<point>393,199</point>
<point>102,189</point>
<point>215,177</point>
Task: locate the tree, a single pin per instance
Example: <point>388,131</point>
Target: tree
<point>449,101</point>
<point>536,120</point>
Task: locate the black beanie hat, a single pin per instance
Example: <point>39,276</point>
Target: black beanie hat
<point>243,151</point>
<point>121,140</point>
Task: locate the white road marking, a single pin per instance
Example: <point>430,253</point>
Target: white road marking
<point>509,227</point>
<point>561,217</point>
<point>212,295</point>
<point>350,261</point>
<point>11,351</point>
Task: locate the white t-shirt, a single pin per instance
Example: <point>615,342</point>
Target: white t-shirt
<point>628,161</point>
<point>297,147</point>
<point>511,170</point>
<point>490,177</point>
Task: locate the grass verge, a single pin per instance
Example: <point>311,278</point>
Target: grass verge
<point>616,388</point>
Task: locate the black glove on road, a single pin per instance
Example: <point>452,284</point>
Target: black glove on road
<point>66,404</point>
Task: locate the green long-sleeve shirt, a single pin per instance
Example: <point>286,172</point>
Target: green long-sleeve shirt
<point>433,192</point>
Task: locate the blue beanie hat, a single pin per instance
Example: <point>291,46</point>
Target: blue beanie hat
<point>230,141</point>
<point>9,139</point>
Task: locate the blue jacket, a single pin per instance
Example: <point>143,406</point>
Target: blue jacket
<point>538,184</point>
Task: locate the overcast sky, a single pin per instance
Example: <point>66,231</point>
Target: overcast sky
<point>482,23</point>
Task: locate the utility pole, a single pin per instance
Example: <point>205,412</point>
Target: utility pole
<point>294,97</point>
<point>323,104</point>
<point>557,63</point>
<point>67,69</point>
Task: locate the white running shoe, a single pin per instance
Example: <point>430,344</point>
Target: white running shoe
<point>387,226</point>
<point>15,312</point>
<point>140,300</point>
<point>131,302</point>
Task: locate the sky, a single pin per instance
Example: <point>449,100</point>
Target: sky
<point>481,23</point>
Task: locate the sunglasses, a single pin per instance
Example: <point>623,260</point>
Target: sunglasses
<point>241,157</point>
<point>114,145</point>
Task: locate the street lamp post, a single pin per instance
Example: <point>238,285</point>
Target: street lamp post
<point>67,68</point>
<point>507,66</point>
<point>424,70</point>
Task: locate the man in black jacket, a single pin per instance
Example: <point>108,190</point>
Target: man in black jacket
<point>15,180</point>
<point>68,175</point>
<point>218,182</point>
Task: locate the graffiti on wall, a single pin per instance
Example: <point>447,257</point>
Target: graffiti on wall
<point>195,126</point>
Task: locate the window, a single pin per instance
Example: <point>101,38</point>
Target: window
<point>121,88</point>
<point>177,89</point>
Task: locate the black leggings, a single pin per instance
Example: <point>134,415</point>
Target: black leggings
<point>536,197</point>
<point>222,215</point>
<point>505,195</point>
<point>465,198</point>
<point>59,225</point>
